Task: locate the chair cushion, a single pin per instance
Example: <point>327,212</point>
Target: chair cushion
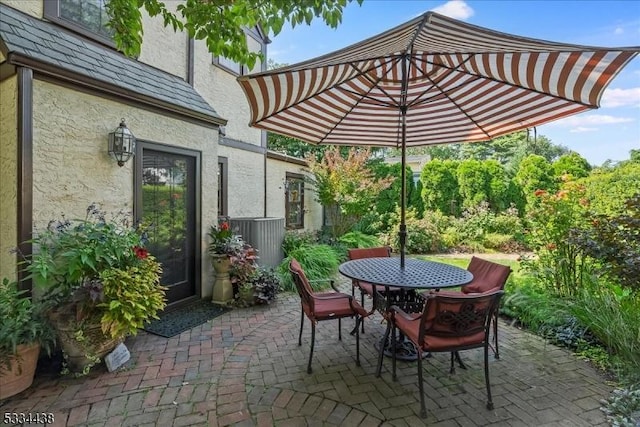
<point>335,307</point>
<point>487,276</point>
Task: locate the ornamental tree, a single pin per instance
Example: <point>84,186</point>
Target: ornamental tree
<point>345,186</point>
<point>220,22</point>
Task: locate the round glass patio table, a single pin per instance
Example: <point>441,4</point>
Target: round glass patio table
<point>416,275</point>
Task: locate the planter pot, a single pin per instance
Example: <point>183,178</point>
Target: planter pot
<point>22,369</point>
<point>222,287</point>
<point>84,353</point>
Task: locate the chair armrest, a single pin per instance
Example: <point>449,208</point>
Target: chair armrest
<point>395,310</point>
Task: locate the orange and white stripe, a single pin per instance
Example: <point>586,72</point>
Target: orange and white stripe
<point>463,84</point>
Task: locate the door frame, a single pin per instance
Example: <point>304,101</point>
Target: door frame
<point>141,145</point>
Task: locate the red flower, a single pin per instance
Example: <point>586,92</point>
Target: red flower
<point>539,193</point>
<point>141,253</point>
<point>224,226</point>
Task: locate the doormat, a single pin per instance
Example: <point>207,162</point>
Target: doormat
<point>184,318</point>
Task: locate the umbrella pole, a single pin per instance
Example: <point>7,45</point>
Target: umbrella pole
<point>403,188</point>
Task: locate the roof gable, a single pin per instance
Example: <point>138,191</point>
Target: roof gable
<point>48,44</point>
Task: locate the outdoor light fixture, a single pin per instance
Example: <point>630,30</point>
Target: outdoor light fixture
<point>122,143</point>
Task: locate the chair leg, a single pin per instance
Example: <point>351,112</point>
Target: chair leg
<point>393,353</point>
<point>301,325</point>
<point>340,329</point>
<point>358,320</point>
<point>382,344</point>
<point>496,350</point>
<point>486,377</point>
<point>423,409</point>
<point>313,339</point>
<point>362,304</point>
<point>455,356</point>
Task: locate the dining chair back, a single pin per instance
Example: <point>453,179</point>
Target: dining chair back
<point>318,306</point>
<point>360,253</point>
<point>447,324</point>
<point>364,287</point>
<point>487,276</point>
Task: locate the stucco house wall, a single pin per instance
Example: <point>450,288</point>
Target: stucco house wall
<point>31,7</point>
<point>72,168</point>
<point>162,47</point>
<point>8,177</point>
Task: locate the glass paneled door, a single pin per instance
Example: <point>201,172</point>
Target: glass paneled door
<point>167,207</point>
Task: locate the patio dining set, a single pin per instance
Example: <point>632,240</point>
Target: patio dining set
<point>421,317</point>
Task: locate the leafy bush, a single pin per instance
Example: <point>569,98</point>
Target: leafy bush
<point>500,242</point>
<point>319,262</point>
<point>294,239</point>
<point>479,229</point>
<point>615,242</point>
<point>607,189</point>
<point>623,407</point>
<point>357,239</point>
<point>560,264</point>
<point>423,235</point>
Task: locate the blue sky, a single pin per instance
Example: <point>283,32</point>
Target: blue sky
<point>604,134</point>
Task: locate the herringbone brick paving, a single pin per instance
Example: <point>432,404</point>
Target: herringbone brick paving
<point>245,368</point>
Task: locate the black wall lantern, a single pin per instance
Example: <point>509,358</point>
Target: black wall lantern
<point>122,144</point>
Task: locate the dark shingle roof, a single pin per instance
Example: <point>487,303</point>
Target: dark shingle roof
<point>46,43</point>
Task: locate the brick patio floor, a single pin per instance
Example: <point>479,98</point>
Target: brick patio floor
<point>245,368</point>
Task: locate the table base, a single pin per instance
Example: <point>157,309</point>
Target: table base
<point>405,350</point>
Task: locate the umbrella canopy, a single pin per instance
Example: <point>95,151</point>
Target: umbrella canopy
<point>432,80</point>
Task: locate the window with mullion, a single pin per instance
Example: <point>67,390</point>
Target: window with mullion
<point>87,17</point>
<point>294,201</point>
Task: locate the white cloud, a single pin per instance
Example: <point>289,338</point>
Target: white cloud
<point>618,30</point>
<point>588,121</point>
<point>621,97</point>
<point>457,9</point>
<point>583,129</point>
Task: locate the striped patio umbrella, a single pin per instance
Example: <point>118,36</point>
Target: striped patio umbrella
<point>432,80</point>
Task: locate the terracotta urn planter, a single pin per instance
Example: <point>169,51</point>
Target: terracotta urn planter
<point>222,286</point>
<point>21,372</point>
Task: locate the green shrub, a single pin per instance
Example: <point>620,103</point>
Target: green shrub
<point>294,239</point>
<point>497,241</point>
<point>319,262</point>
<point>536,309</point>
<point>612,315</point>
<point>357,239</point>
<point>560,264</point>
<point>423,235</point>
<point>614,241</point>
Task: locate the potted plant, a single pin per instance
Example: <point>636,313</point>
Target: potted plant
<point>261,287</point>
<point>23,332</point>
<point>99,281</point>
<point>223,245</point>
